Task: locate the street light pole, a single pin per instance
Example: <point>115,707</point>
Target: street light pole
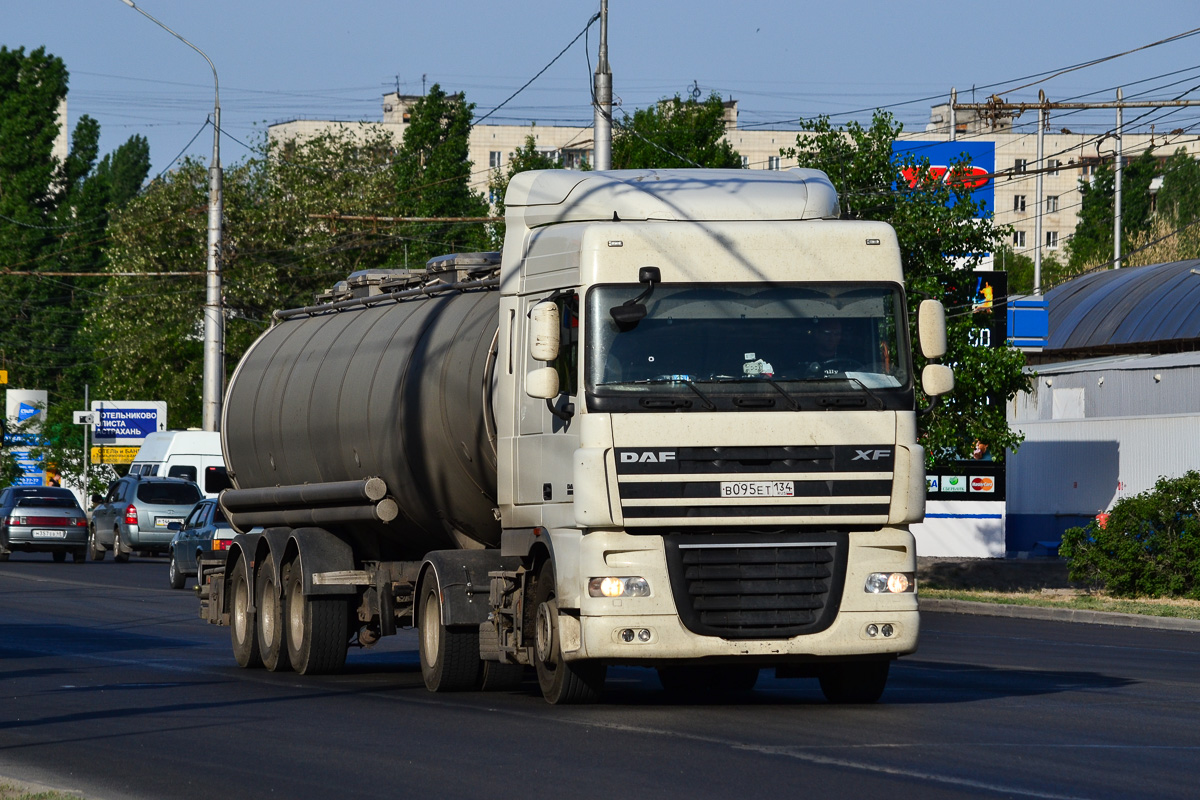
<point>214,316</point>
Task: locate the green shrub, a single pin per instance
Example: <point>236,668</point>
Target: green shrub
<point>1149,546</point>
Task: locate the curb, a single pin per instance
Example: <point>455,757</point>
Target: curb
<point>1061,615</point>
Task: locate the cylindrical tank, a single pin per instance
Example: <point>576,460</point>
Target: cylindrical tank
<point>399,390</point>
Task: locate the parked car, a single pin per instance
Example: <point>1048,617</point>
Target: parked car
<point>205,532</point>
<point>42,519</point>
<point>137,513</point>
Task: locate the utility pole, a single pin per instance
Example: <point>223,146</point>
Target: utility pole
<point>214,313</point>
<point>1037,224</point>
<point>602,100</point>
<point>953,118</point>
<point>1117,186</point>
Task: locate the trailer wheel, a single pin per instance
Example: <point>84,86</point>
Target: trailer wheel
<point>316,630</point>
<point>269,601</point>
<point>94,549</point>
<point>449,656</point>
<point>708,680</point>
<point>241,620</point>
<point>855,682</point>
<point>562,682</point>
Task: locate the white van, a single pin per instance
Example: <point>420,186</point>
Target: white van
<point>194,455</point>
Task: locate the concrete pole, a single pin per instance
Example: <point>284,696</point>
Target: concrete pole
<point>214,314</point>
<point>1037,201</point>
<point>1117,187</point>
<point>953,115</point>
<point>602,102</point>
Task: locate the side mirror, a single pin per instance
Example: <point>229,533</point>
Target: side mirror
<point>544,328</point>
<point>937,380</point>
<point>542,384</point>
<point>931,329</point>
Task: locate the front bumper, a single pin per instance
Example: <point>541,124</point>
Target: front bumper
<point>601,621</point>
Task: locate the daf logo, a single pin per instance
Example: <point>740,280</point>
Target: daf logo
<point>648,457</point>
<point>871,455</point>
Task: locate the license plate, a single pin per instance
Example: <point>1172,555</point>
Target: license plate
<point>42,533</point>
<point>758,489</point>
<point>162,522</point>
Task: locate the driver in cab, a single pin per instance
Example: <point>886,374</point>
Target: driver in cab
<point>827,360</point>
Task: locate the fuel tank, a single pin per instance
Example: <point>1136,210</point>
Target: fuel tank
<point>399,390</point>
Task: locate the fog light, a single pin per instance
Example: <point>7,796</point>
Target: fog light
<point>888,583</point>
<point>619,587</point>
<point>887,629</point>
<point>627,635</point>
<point>643,635</point>
<point>872,630</point>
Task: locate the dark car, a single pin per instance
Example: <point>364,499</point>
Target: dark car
<point>42,519</point>
<point>205,533</point>
<point>137,513</point>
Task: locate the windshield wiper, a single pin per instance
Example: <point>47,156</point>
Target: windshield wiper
<point>878,401</point>
<point>708,404</point>
<point>791,401</point>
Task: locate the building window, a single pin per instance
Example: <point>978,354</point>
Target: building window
<point>1051,240</point>
<point>772,162</point>
<point>1018,202</point>
<point>1019,240</point>
<point>494,159</point>
<point>1054,166</point>
<point>1052,204</point>
<point>1020,164</point>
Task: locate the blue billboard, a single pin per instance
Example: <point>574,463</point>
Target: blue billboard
<point>982,157</point>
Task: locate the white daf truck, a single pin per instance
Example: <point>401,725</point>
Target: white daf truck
<point>672,425</point>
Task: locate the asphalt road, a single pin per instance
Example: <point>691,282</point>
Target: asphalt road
<point>111,685</point>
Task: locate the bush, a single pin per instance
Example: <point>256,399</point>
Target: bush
<point>1149,546</point>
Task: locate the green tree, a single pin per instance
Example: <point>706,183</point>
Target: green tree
<point>433,176</point>
<point>1020,270</point>
<point>282,244</point>
<point>524,158</point>
<point>941,240</point>
<point>674,133</point>
<point>1179,198</point>
<point>1092,242</point>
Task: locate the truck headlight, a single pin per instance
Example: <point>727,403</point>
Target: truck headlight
<point>889,583</point>
<point>619,587</point>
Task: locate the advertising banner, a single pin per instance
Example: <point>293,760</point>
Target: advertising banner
<point>25,409</point>
<point>941,155</point>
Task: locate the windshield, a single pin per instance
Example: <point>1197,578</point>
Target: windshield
<point>740,346</point>
<point>168,494</point>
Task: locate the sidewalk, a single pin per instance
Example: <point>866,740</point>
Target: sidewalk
<point>1022,575</point>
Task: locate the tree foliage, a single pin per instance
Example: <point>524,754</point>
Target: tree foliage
<point>433,175</point>
<point>280,248</point>
<point>674,133</point>
<point>941,241</point>
<point>524,158</point>
<point>1092,243</point>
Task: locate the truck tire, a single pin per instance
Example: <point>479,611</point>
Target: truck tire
<point>562,682</point>
<point>269,602</point>
<point>316,629</point>
<point>860,682</point>
<point>449,656</point>
<point>242,631</point>
<point>710,681</point>
<point>119,555</point>
<point>94,549</point>
<point>177,578</point>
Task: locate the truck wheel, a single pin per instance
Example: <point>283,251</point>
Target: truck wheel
<point>241,620</point>
<point>855,682</point>
<point>708,680</point>
<point>562,682</point>
<point>449,656</point>
<point>316,630</point>
<point>177,577</point>
<point>119,555</point>
<point>94,549</point>
<point>270,618</point>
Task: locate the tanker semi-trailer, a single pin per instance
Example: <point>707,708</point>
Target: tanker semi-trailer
<point>672,425</point>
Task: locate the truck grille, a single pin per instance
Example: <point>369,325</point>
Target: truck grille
<point>741,588</point>
<point>833,485</point>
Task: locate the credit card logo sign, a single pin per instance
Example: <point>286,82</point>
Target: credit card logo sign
<point>932,483</point>
<point>982,483</point>
<point>954,483</point>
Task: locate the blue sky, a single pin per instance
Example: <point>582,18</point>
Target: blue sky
<point>780,60</point>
